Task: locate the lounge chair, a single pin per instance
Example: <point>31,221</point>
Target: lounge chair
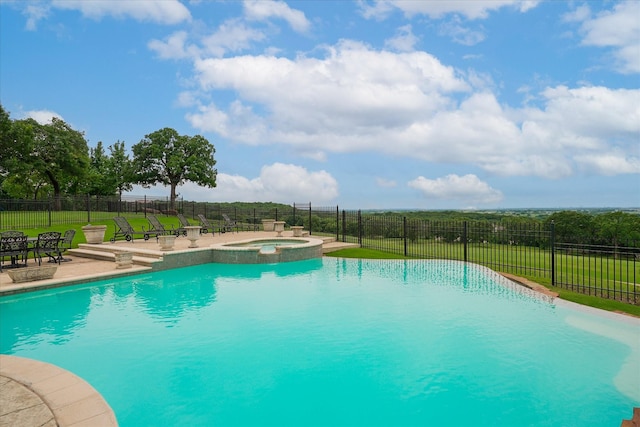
<point>205,225</point>
<point>229,224</point>
<point>157,227</point>
<point>184,222</point>
<point>124,229</point>
<point>48,244</point>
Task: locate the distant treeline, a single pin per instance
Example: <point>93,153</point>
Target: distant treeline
<point>601,227</point>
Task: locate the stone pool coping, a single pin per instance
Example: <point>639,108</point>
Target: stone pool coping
<point>36,393</point>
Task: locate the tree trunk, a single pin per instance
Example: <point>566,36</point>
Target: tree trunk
<point>172,198</point>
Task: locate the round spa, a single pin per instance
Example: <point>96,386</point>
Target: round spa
<point>265,251</point>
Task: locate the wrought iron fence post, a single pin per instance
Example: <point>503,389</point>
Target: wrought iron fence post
<point>552,242</point>
<point>310,233</point>
<point>464,239</point>
<point>404,234</point>
<point>50,209</point>
<point>360,228</point>
<point>344,225</point>
<point>88,209</point>
<point>337,223</point>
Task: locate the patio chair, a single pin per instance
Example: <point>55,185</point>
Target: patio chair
<point>157,227</point>
<point>229,224</point>
<point>205,224</point>
<point>124,229</point>
<point>184,222</point>
<point>11,233</point>
<point>66,243</point>
<point>48,244</point>
<point>15,247</point>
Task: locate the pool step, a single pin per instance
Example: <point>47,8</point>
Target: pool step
<point>108,253</point>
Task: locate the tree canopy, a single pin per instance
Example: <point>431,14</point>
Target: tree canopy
<point>171,159</point>
<point>52,157</point>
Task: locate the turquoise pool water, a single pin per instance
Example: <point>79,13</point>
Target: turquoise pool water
<point>332,342</point>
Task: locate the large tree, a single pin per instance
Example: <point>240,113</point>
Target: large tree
<point>120,168</point>
<point>50,158</point>
<point>57,152</point>
<point>171,159</point>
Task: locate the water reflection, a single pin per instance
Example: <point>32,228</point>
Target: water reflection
<point>168,297</point>
<point>50,316</point>
<point>444,273</point>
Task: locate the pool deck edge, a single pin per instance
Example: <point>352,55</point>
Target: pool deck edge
<point>39,393</point>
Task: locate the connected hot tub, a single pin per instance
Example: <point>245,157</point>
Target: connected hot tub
<point>268,250</point>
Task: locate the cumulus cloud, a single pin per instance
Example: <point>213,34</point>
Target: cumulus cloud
<point>403,41</point>
<point>356,99</point>
<point>618,29</point>
<point>167,12</point>
<point>42,116</point>
<point>279,182</point>
<point>161,12</point>
<point>172,47</point>
<point>477,9</point>
<point>261,10</point>
<point>467,188</point>
<point>460,33</point>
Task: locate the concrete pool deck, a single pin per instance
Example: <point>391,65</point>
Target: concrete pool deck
<point>34,393</point>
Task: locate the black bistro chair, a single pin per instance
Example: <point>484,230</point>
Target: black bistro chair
<point>48,244</point>
<point>15,247</point>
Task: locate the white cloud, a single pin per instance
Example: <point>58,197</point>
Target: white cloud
<point>281,183</point>
<point>618,29</point>
<point>357,99</point>
<point>42,116</point>
<point>403,41</point>
<point>261,10</point>
<point>35,12</point>
<point>232,36</point>
<point>460,33</point>
<point>468,189</point>
<point>161,12</point>
<point>613,163</point>
<point>173,47</point>
<point>476,9</point>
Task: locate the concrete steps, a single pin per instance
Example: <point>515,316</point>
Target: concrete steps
<point>108,253</point>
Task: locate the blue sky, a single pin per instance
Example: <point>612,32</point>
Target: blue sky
<point>362,104</point>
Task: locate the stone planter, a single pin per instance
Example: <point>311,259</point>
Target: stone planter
<point>31,274</point>
<point>267,224</point>
<point>124,260</point>
<point>278,227</point>
<point>297,230</point>
<point>94,234</point>
<point>193,234</point>
<point>167,242</point>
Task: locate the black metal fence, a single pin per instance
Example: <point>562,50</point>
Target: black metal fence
<point>522,248</point>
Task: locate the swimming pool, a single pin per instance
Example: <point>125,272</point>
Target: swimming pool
<point>331,342</point>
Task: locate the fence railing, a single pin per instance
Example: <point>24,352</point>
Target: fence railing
<point>522,248</point>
